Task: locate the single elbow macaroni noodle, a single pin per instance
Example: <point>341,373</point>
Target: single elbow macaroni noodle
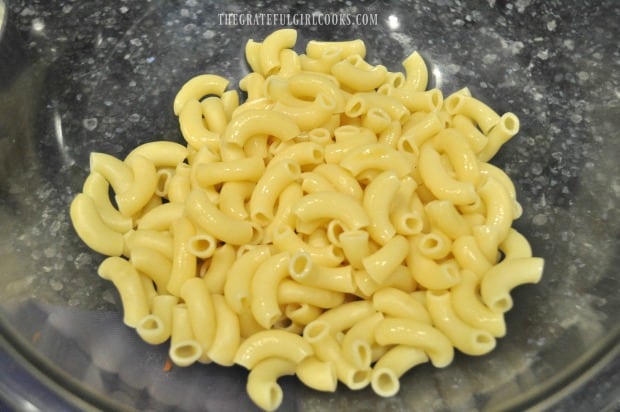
<point>341,224</point>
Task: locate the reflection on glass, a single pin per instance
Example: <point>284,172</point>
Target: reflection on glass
<point>393,22</point>
<point>437,76</point>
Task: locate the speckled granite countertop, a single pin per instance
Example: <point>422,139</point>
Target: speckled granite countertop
<point>101,76</point>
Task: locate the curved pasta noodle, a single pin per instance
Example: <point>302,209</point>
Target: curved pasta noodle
<point>259,122</point>
<point>467,253</point>
<point>430,274</point>
<point>144,183</point>
<point>198,87</point>
<point>310,85</point>
<point>497,283</point>
<point>265,194</point>
<point>183,261</point>
<point>355,246</point>
<point>402,331</point>
<point>304,270</point>
<point>498,205</point>
<point>285,239</point>
<point>340,178</point>
<point>469,307</point>
<point>359,340</point>
<point>252,84</point>
<point>308,115</point>
<point>359,104</point>
<point>193,128</point>
<point>444,215</point>
<point>464,337</point>
<point>262,384</point>
<point>352,73</point>
<point>239,278</point>
<point>515,246</point>
<point>382,263</point>
<point>507,127</point>
<point>153,264</point>
<point>202,318</point>
<point>212,220</point>
<point>156,327</point>
<point>214,114</point>
<point>233,198</point>
<point>416,73</point>
<point>151,239</point>
<point>303,153</point>
<point>92,229</point>
<point>377,120</point>
<point>98,189</point>
<point>184,349</point>
<point>416,101</point>
<point>161,217</point>
<point>317,374</point>
<point>462,157</point>
<point>440,183</point>
<point>378,197</point>
<point>215,271</point>
<point>127,281</point>
<point>246,169</point>
<point>264,289</point>
<point>399,304</point>
<point>376,156</point>
<point>290,291</point>
<point>272,343</point>
<point>227,337</point>
<point>326,348</point>
<point>392,365</point>
<point>338,319</point>
<point>315,48</point>
<point>273,44</point>
<point>332,205</point>
<point>161,153</point>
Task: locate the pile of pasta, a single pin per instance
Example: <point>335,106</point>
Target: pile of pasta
<point>342,224</point>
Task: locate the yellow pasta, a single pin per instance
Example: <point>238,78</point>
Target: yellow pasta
<point>156,327</point>
<point>403,331</point>
<point>92,229</point>
<point>153,264</point>
<point>227,336</point>
<point>464,337</point>
<point>199,303</point>
<point>272,343</point>
<point>352,73</point>
<point>268,188</point>
<point>378,197</point>
<point>98,189</point>
<point>341,224</point>
<point>183,261</point>
<point>127,281</point>
<point>317,374</point>
<point>193,129</point>
<point>262,386</point>
<point>264,289</point>
<point>392,365</point>
<point>382,263</point>
<point>198,87</point>
<point>184,348</point>
<point>416,73</point>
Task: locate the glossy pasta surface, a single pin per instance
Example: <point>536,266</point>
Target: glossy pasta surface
<point>340,224</point>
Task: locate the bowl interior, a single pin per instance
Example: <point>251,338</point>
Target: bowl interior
<point>110,88</point>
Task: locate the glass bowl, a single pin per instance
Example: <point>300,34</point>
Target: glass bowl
<point>77,77</point>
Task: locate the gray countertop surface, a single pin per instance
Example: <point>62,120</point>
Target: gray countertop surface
<point>556,63</point>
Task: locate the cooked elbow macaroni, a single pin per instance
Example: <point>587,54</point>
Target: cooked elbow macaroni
<point>341,224</point>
